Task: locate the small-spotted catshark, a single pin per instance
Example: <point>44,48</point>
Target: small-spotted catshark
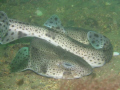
<point>92,47</point>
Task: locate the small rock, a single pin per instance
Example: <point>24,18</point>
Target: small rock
<point>20,82</point>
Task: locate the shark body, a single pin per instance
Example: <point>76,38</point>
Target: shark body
<point>91,46</point>
<point>47,60</point>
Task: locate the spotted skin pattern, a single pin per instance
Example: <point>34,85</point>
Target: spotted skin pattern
<point>4,24</point>
<point>48,60</point>
<point>95,57</point>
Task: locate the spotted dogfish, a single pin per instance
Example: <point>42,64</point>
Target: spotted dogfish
<point>46,60</point>
<point>91,46</point>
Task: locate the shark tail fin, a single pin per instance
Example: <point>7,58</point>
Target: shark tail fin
<point>20,62</point>
<point>4,25</point>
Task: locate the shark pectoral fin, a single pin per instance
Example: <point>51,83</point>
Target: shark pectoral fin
<point>20,62</point>
<point>97,40</point>
<point>4,24</point>
<point>54,23</point>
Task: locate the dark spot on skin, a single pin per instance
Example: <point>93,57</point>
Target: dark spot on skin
<point>50,28</point>
<point>104,44</point>
<point>7,40</point>
<point>2,14</point>
<point>9,20</point>
<point>102,60</point>
<point>20,53</point>
<point>93,41</point>
<point>97,45</point>
<point>96,35</point>
<point>3,21</point>
<point>36,30</point>
<point>43,68</point>
<point>57,27</point>
<point>101,39</point>
<point>6,28</point>
<point>20,22</point>
<point>12,25</point>
<point>48,35</point>
<point>67,74</point>
<point>89,36</point>
<point>53,73</point>
<point>35,49</point>
<point>56,19</point>
<point>21,34</point>
<point>51,22</point>
<point>6,34</point>
<point>12,33</point>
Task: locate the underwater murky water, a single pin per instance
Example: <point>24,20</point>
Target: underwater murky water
<point>101,16</point>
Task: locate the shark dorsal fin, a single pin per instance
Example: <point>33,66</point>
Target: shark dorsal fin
<point>54,23</point>
<point>97,40</point>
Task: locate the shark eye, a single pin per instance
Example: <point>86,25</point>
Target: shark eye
<point>67,65</point>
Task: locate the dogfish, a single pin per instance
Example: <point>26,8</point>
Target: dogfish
<point>46,60</point>
<point>93,47</point>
